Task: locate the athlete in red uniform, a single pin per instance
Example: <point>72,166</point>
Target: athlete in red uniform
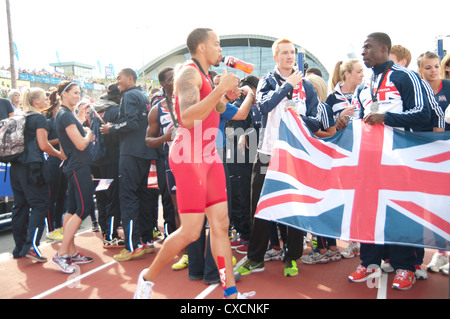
<point>197,168</point>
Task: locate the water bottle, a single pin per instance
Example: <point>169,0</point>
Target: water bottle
<point>238,64</point>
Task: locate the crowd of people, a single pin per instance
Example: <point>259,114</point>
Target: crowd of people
<point>209,179</point>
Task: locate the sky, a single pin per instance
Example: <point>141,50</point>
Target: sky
<point>134,32</point>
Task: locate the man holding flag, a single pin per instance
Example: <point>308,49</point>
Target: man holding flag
<point>284,88</point>
<point>393,96</point>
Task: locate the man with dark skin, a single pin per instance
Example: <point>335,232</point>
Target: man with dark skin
<point>394,96</point>
<point>159,134</point>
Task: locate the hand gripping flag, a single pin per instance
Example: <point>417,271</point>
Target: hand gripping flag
<point>370,184</point>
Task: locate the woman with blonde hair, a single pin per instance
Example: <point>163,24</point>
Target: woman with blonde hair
<point>29,181</point>
<point>324,111</point>
<point>346,78</point>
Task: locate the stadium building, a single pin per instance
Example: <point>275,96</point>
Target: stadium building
<point>255,49</point>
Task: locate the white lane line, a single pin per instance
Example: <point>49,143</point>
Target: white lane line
<point>382,286</point>
<point>74,281</point>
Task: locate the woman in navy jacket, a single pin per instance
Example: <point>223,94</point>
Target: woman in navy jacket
<point>28,179</point>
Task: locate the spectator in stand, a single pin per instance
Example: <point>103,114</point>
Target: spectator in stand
<point>74,140</point>
<point>28,179</point>
<point>14,96</point>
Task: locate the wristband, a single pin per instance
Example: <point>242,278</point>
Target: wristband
<point>230,291</point>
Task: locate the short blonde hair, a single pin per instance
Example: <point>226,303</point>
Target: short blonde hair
<point>276,44</point>
<point>401,53</point>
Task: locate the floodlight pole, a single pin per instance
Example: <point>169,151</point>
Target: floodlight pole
<point>11,47</point>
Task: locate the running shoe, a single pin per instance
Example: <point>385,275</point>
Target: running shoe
<point>149,248</point>
<point>126,255</point>
<point>404,280</point>
<point>144,289</point>
<point>444,269</point>
<point>249,267</point>
<point>290,268</point>
<point>95,226</point>
<point>32,254</point>
<point>315,257</point>
<point>156,232</point>
<point>114,243</point>
<point>334,255</point>
<point>362,274</point>
<point>420,273</point>
<point>386,266</point>
<point>55,235</point>
<point>63,263</point>
<point>80,259</point>
<point>246,295</point>
<point>183,263</point>
<point>274,254</point>
<point>438,260</point>
<point>351,251</point>
<point>237,243</point>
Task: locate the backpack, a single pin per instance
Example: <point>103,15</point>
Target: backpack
<point>12,138</point>
<point>97,145</point>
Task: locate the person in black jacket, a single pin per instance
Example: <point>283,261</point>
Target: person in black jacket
<point>134,166</point>
<point>28,179</point>
<point>107,167</point>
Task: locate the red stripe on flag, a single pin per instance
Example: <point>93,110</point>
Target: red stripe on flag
<point>282,199</point>
<point>425,214</point>
<point>439,158</point>
<point>315,142</point>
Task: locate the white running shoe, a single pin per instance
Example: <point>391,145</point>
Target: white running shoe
<point>246,295</point>
<point>351,251</point>
<point>444,269</point>
<point>144,289</point>
<point>386,266</point>
<point>437,261</point>
<point>274,254</point>
<point>420,272</point>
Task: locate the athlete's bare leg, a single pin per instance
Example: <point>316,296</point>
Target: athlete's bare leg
<point>220,243</point>
<point>189,231</point>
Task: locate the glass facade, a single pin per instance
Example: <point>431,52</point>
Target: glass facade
<point>260,57</point>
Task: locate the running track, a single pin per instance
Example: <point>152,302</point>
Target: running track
<point>107,279</point>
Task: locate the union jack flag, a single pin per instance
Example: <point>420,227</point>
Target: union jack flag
<point>370,184</point>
